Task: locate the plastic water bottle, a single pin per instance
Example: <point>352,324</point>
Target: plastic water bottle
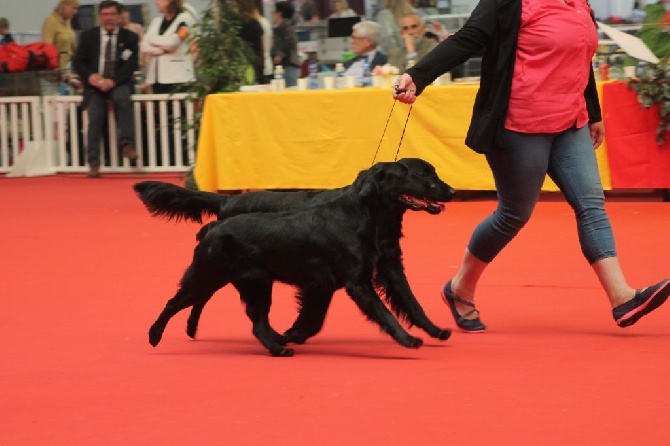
<point>278,82</point>
<point>137,79</point>
<point>366,80</point>
<point>641,68</point>
<point>339,76</point>
<point>313,75</point>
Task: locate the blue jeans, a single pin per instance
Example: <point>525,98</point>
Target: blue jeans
<point>519,171</point>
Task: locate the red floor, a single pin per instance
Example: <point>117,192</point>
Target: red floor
<point>85,270</point>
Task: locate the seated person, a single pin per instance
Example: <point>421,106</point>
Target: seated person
<point>105,61</point>
<point>5,35</point>
<point>305,11</point>
<point>340,8</point>
<point>415,43</point>
<point>364,41</point>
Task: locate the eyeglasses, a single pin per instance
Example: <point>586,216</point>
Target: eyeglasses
<point>412,26</point>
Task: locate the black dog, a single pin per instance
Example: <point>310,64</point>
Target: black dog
<point>319,250</point>
<point>171,201</point>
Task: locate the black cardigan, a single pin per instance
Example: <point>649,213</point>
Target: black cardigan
<point>494,27</point>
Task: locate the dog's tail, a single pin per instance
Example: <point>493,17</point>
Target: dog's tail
<point>175,202</point>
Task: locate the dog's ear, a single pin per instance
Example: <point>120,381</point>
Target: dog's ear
<point>370,180</point>
<point>381,177</point>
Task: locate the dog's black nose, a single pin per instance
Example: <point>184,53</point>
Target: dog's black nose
<point>451,192</point>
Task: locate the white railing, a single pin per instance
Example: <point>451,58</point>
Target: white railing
<point>55,128</point>
<point>20,124</point>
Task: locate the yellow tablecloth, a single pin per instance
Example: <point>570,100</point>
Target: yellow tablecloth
<point>322,139</point>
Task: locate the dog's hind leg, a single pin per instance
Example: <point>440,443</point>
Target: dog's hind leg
<point>314,305</point>
<point>194,289</point>
<point>392,279</point>
<point>365,296</point>
<point>194,318</point>
<point>183,299</point>
<point>257,296</point>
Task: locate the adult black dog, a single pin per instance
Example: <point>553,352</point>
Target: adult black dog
<point>319,250</point>
<point>175,202</point>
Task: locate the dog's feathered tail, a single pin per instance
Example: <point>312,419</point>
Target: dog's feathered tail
<point>175,202</point>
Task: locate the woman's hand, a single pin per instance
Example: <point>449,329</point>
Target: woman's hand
<point>597,130</point>
<point>405,89</point>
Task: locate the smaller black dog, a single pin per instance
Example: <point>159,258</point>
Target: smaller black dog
<point>319,250</point>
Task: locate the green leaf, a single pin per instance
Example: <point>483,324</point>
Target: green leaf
<point>653,88</point>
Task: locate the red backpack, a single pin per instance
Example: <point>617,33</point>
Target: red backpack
<point>42,56</point>
<point>13,58</point>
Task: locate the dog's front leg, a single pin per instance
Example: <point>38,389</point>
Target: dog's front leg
<point>257,297</point>
<point>391,277</point>
<point>367,299</point>
<point>314,305</point>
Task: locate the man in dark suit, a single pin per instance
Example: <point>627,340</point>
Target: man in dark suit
<point>105,60</point>
<point>365,37</point>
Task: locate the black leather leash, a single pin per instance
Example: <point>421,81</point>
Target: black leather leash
<point>384,133</point>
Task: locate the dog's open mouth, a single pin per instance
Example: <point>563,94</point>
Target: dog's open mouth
<point>422,204</point>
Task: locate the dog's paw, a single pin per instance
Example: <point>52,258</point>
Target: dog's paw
<point>443,335</point>
<point>155,335</point>
<point>284,352</point>
<point>414,342</point>
<point>294,337</point>
<point>190,331</point>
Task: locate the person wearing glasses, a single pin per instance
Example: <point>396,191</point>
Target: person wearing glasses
<point>415,44</point>
<point>388,17</point>
<point>364,44</point>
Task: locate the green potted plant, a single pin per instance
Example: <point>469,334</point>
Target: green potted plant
<point>222,59</point>
<point>653,88</point>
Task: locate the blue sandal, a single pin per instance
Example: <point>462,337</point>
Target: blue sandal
<point>467,325</point>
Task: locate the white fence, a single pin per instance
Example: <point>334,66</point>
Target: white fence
<point>41,135</point>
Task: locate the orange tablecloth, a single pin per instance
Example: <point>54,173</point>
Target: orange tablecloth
<point>636,160</point>
<point>322,139</point>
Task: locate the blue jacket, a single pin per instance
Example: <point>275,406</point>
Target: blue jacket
<point>379,59</point>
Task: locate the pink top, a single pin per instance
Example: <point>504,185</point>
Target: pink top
<point>556,44</point>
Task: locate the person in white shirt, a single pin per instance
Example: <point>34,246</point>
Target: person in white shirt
<point>169,64</point>
<point>267,44</point>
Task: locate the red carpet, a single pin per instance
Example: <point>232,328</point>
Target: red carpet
<point>86,270</point>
